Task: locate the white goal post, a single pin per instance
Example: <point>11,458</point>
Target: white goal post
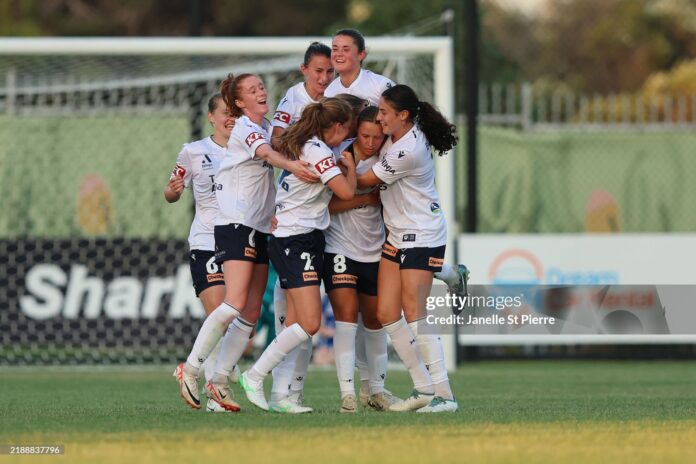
<point>439,48</point>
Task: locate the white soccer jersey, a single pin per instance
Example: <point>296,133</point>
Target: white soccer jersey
<point>368,86</point>
<point>410,202</point>
<point>357,233</point>
<point>302,207</point>
<point>290,107</point>
<point>198,163</point>
<point>245,187</point>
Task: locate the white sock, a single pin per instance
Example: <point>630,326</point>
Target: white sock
<point>275,352</point>
<point>209,363</point>
<point>404,343</point>
<point>433,354</point>
<point>304,355</point>
<point>344,355</point>
<point>280,307</point>
<point>448,274</point>
<point>376,349</point>
<point>233,344</point>
<point>361,359</point>
<point>210,334</point>
<point>282,375</point>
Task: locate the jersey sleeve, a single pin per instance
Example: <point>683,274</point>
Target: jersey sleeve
<point>283,114</point>
<point>394,165</point>
<point>251,138</point>
<point>183,167</point>
<point>322,160</point>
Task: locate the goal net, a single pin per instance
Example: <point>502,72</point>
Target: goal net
<point>93,261</point>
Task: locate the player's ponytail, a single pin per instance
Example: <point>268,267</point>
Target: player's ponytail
<point>230,89</point>
<point>440,133</point>
<point>316,118</point>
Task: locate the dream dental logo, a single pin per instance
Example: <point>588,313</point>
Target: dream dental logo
<point>521,267</point>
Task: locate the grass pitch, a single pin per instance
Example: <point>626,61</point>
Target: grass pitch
<point>537,411</point>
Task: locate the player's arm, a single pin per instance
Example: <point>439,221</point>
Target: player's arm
<point>336,205</point>
<point>275,136</point>
<point>368,179</point>
<point>173,189</point>
<point>343,186</point>
<point>298,168</point>
<point>180,177</point>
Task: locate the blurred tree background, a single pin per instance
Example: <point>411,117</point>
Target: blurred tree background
<point>587,46</point>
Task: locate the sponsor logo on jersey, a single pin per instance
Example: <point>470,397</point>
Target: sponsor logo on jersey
<point>282,116</point>
<point>179,171</point>
<point>215,277</point>
<point>249,252</point>
<point>435,208</point>
<point>206,162</point>
<point>284,185</point>
<point>253,137</point>
<point>344,279</point>
<point>435,262</point>
<point>409,238</point>
<point>308,276</point>
<point>389,250</point>
<point>401,154</point>
<point>325,164</point>
<point>403,258</point>
<point>387,167</point>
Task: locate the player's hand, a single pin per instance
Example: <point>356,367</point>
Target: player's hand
<point>176,185</point>
<point>300,169</point>
<point>274,224</point>
<point>346,162</point>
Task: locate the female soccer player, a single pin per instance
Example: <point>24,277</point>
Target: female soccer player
<point>245,192</point>
<point>297,245</point>
<point>347,54</point>
<point>353,248</point>
<point>417,235</point>
<point>318,72</point>
<point>195,168</point>
<point>289,376</point>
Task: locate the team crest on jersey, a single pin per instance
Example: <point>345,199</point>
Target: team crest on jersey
<point>325,164</point>
<point>282,116</point>
<point>253,137</point>
<point>408,238</point>
<point>435,208</point>
<point>179,171</point>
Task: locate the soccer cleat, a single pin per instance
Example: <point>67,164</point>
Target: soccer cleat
<point>459,287</point>
<point>213,406</point>
<point>416,401</point>
<point>349,404</point>
<point>439,404</point>
<point>364,397</point>
<point>234,375</point>
<point>188,386</point>
<point>296,397</point>
<point>253,391</point>
<point>382,401</point>
<point>285,406</point>
<point>222,395</point>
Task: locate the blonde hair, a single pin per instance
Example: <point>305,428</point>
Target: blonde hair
<point>316,118</point>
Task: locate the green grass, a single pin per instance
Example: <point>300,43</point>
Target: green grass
<point>509,412</point>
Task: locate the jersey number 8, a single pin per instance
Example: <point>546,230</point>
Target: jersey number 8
<point>339,264</point>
